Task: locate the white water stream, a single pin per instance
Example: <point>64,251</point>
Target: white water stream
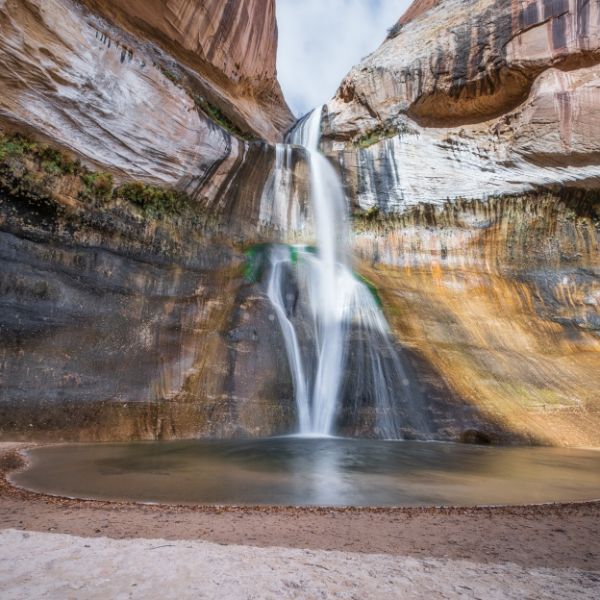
<point>348,339</point>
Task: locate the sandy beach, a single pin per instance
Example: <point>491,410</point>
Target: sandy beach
<point>55,547</point>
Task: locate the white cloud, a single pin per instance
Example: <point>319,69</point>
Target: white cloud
<point>320,40</point>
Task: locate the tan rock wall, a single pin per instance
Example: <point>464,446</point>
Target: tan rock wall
<point>463,62</point>
<point>472,99</point>
<point>232,44</point>
<point>502,300</point>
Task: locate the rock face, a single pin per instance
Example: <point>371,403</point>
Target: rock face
<point>494,97</point>
<point>129,313</point>
<point>446,136</point>
<point>118,322</point>
<point>464,61</point>
<point>501,299</point>
<point>110,92</point>
<point>232,45</point>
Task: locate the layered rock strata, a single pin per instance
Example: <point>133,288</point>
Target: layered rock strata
<point>113,94</point>
<point>232,46</point>
<point>125,313</point>
<point>468,99</point>
<point>501,299</point>
<point>125,318</point>
<point>447,136</point>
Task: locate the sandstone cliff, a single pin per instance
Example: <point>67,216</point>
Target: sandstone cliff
<point>133,91</point>
<point>124,310</point>
<point>232,45</point>
<point>470,146</point>
<point>492,97</point>
<point>132,293</point>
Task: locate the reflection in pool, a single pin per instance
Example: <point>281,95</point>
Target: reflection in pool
<point>309,472</point>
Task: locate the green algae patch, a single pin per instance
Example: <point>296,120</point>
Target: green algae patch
<point>371,287</point>
<point>255,262</point>
<point>373,137</point>
<point>296,251</point>
<point>256,258</point>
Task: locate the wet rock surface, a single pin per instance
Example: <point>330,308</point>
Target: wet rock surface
<point>120,323</point>
<point>499,298</point>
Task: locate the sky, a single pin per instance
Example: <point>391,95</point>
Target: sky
<point>320,40</point>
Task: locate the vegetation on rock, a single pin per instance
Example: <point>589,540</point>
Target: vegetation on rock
<point>97,186</point>
<point>30,169</point>
<point>211,111</point>
<point>154,200</point>
<point>207,108</point>
<point>374,136</point>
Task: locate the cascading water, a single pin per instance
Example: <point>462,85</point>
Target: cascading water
<point>346,351</point>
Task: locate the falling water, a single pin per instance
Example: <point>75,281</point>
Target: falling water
<point>346,352</point>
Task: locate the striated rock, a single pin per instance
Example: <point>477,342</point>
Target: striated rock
<point>123,104</point>
<point>501,300</point>
<point>232,45</point>
<point>446,137</point>
<point>472,99</point>
<point>121,318</point>
<point>552,138</point>
<point>119,323</point>
<point>457,62</point>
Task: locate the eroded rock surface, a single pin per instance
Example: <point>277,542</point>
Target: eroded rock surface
<point>501,298</point>
<point>232,45</point>
<point>445,136</point>
<point>463,61</point>
<point>471,99</point>
<point>124,104</point>
<point>120,320</point>
<point>116,323</point>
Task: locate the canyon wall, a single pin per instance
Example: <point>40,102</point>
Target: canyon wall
<point>133,155</point>
<point>469,143</point>
<point>137,188</point>
<point>231,46</point>
<point>501,299</point>
<point>126,102</point>
<point>472,98</point>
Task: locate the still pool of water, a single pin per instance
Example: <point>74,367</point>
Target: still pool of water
<point>309,472</point>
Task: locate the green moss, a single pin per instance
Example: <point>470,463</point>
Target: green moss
<point>97,187</point>
<point>374,136</point>
<point>371,287</point>
<point>50,160</point>
<point>207,108</point>
<point>371,219</point>
<point>155,201</point>
<point>370,214</point>
<point>33,170</point>
<point>257,259</point>
<point>15,146</point>
<point>55,162</point>
<point>255,262</point>
<point>213,113</point>
<point>170,75</point>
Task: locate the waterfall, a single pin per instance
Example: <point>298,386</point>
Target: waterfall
<point>338,343</point>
